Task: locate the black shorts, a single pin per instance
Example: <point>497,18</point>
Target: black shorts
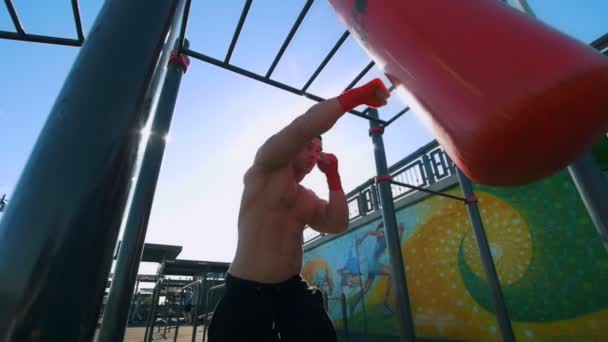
<point>251,311</point>
<point>188,307</point>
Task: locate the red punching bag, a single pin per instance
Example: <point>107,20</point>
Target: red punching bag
<point>511,99</point>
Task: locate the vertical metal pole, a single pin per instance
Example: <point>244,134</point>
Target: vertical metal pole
<point>404,312</point>
<point>127,265</point>
<point>428,169</point>
<point>58,234</point>
<point>199,285</point>
<point>155,297</point>
<point>592,186</point>
<point>502,313</point>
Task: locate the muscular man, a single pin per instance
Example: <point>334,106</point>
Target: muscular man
<point>264,292</point>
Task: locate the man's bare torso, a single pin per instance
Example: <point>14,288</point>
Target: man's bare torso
<point>274,210</point>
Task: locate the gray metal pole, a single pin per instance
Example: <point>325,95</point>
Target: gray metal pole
<point>404,312</point>
<point>127,265</point>
<point>58,234</point>
<point>592,186</point>
<point>502,313</point>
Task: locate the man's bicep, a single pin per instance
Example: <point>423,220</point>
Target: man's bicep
<point>280,148</point>
<point>318,218</point>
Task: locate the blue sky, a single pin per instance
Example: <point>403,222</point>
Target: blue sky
<point>220,117</point>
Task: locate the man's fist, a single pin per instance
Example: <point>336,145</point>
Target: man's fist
<point>328,163</point>
<point>374,94</point>
<point>378,94</point>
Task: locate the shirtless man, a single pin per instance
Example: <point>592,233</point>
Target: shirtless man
<point>265,295</point>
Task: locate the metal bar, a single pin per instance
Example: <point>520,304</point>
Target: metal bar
<point>428,191</point>
<point>77,20</point>
<point>14,16</point>
<point>404,312</point>
<point>34,38</point>
<point>155,296</point>
<point>600,43</point>
<point>199,285</point>
<point>360,76</point>
<point>292,32</point>
<point>63,254</point>
<point>525,7</point>
<point>181,300</point>
<point>268,81</point>
<point>237,31</point>
<point>329,56</point>
<point>502,313</point>
<point>592,186</point>
<point>2,203</point>
<point>127,264</point>
<point>397,116</point>
<point>182,30</point>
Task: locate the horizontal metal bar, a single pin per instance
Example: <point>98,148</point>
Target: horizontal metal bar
<point>292,32</point>
<point>39,39</point>
<point>327,58</point>
<point>192,283</point>
<point>600,43</point>
<point>237,31</point>
<point>216,287</point>
<point>268,81</point>
<point>397,116</point>
<point>14,16</point>
<point>182,30</point>
<point>428,191</point>
<point>360,76</point>
<point>77,20</point>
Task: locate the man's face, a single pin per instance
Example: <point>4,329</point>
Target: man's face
<point>308,157</point>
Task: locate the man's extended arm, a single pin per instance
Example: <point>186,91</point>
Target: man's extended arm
<point>281,147</point>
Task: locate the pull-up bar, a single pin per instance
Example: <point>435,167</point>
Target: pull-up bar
<point>303,91</point>
<point>22,35</point>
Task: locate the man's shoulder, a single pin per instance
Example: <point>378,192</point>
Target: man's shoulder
<point>256,172</point>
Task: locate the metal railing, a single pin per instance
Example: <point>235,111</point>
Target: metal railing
<point>194,314</point>
<point>423,168</point>
<point>152,315</point>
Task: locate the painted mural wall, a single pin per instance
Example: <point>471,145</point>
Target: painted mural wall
<point>551,264</point>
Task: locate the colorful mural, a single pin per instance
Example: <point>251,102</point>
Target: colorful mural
<point>550,262</point>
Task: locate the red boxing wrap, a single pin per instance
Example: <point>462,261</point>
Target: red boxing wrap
<point>329,167</point>
<point>366,94</point>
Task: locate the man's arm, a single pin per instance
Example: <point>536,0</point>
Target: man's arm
<point>321,117</point>
<point>330,217</point>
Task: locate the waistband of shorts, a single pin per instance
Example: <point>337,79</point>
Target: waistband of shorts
<point>240,283</point>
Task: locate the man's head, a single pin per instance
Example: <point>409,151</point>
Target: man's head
<point>308,156</point>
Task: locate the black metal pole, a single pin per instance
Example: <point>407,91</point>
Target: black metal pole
<point>155,296</point>
<point>502,313</point>
<point>127,264</point>
<point>404,312</point>
<point>592,186</point>
<point>58,253</point>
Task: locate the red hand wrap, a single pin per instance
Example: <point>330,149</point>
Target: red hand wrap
<point>366,94</point>
<point>333,182</point>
